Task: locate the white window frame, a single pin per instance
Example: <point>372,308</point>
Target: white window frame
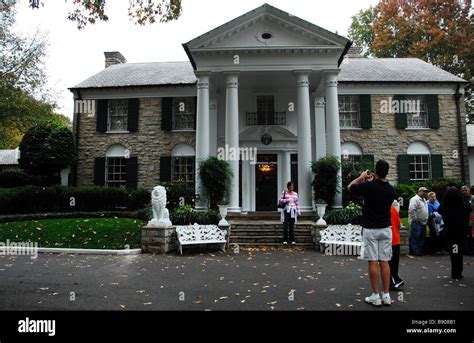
<point>188,112</point>
<point>349,118</point>
<point>419,119</point>
<point>111,117</point>
<point>189,175</point>
<point>418,162</point>
<point>122,171</point>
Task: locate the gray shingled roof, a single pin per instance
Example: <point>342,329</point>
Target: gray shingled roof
<point>392,70</point>
<point>142,74</point>
<point>9,157</point>
<point>355,70</point>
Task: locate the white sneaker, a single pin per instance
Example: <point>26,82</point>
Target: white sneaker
<point>285,243</point>
<point>374,299</point>
<point>387,301</point>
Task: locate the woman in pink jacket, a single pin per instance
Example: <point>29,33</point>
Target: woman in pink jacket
<point>290,212</point>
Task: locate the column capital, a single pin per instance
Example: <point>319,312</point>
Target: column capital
<point>319,101</point>
<point>203,79</point>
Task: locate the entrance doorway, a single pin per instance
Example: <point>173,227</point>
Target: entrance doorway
<point>266,177</point>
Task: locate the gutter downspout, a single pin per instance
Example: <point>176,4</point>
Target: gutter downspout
<point>457,98</point>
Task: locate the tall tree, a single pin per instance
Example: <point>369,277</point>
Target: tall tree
<point>23,99</point>
<point>438,31</point>
<point>361,31</point>
<point>140,11</point>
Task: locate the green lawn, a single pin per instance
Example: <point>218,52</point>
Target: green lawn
<point>87,233</point>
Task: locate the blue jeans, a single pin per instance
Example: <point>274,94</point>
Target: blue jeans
<point>417,237</point>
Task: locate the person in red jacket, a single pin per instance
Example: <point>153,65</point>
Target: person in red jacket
<point>395,281</point>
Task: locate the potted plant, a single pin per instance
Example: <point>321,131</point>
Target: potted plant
<point>321,208</point>
<point>216,176</point>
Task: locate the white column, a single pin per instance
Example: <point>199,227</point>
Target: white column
<point>286,169</point>
<point>334,133</point>
<point>232,135</point>
<point>320,126</point>
<point>246,186</point>
<point>304,141</point>
<point>202,137</point>
<point>213,127</point>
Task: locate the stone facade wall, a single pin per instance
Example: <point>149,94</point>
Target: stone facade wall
<point>148,144</point>
<point>385,141</point>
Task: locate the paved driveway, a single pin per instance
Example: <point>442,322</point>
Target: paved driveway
<point>250,280</point>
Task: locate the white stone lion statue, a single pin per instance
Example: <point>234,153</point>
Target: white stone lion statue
<point>161,217</point>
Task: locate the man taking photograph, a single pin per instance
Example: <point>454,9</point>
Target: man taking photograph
<point>378,196</point>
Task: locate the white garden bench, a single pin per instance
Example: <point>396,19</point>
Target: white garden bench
<point>345,235</point>
<point>200,234</point>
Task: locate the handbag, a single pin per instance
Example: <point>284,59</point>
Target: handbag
<point>282,204</point>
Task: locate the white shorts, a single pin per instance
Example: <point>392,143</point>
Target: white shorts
<point>376,244</point>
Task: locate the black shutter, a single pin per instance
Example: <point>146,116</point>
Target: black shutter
<point>401,121</point>
<point>365,111</point>
<point>102,114</point>
<point>403,163</point>
<point>133,109</point>
<point>195,111</point>
<point>436,166</point>
<point>165,168</point>
<point>99,171</point>
<point>132,173</point>
<point>433,111</point>
<point>166,114</point>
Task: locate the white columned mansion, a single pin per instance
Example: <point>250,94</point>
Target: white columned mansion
<point>273,82</point>
<point>266,74</point>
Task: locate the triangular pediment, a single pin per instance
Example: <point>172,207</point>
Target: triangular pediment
<point>266,27</point>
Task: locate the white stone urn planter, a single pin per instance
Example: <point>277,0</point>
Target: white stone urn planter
<point>321,208</point>
<point>223,213</point>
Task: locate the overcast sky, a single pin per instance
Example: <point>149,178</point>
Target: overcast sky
<point>74,55</point>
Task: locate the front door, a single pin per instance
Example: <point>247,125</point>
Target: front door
<point>266,182</point>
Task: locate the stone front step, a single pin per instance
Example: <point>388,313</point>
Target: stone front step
<point>277,245</point>
<point>250,232</point>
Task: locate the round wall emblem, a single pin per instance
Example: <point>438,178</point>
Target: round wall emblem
<point>266,139</point>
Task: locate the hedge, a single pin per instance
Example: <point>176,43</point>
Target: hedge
<point>18,178</point>
<point>35,199</point>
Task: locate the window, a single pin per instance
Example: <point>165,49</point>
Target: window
<point>420,167</point>
<point>415,108</point>
<point>419,161</point>
<point>349,111</point>
<point>116,170</point>
<point>117,115</point>
<point>351,153</point>
<point>184,113</point>
<point>183,169</point>
<point>265,110</point>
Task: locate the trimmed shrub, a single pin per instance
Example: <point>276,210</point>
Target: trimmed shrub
<point>439,186</point>
<point>351,214</point>
<point>138,199</point>
<point>186,215</point>
<point>176,191</point>
<point>46,148</point>
<point>325,179</point>
<point>34,199</point>
<point>18,178</point>
<point>215,176</point>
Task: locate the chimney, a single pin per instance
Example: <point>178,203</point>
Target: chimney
<point>354,52</point>
<point>113,57</point>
